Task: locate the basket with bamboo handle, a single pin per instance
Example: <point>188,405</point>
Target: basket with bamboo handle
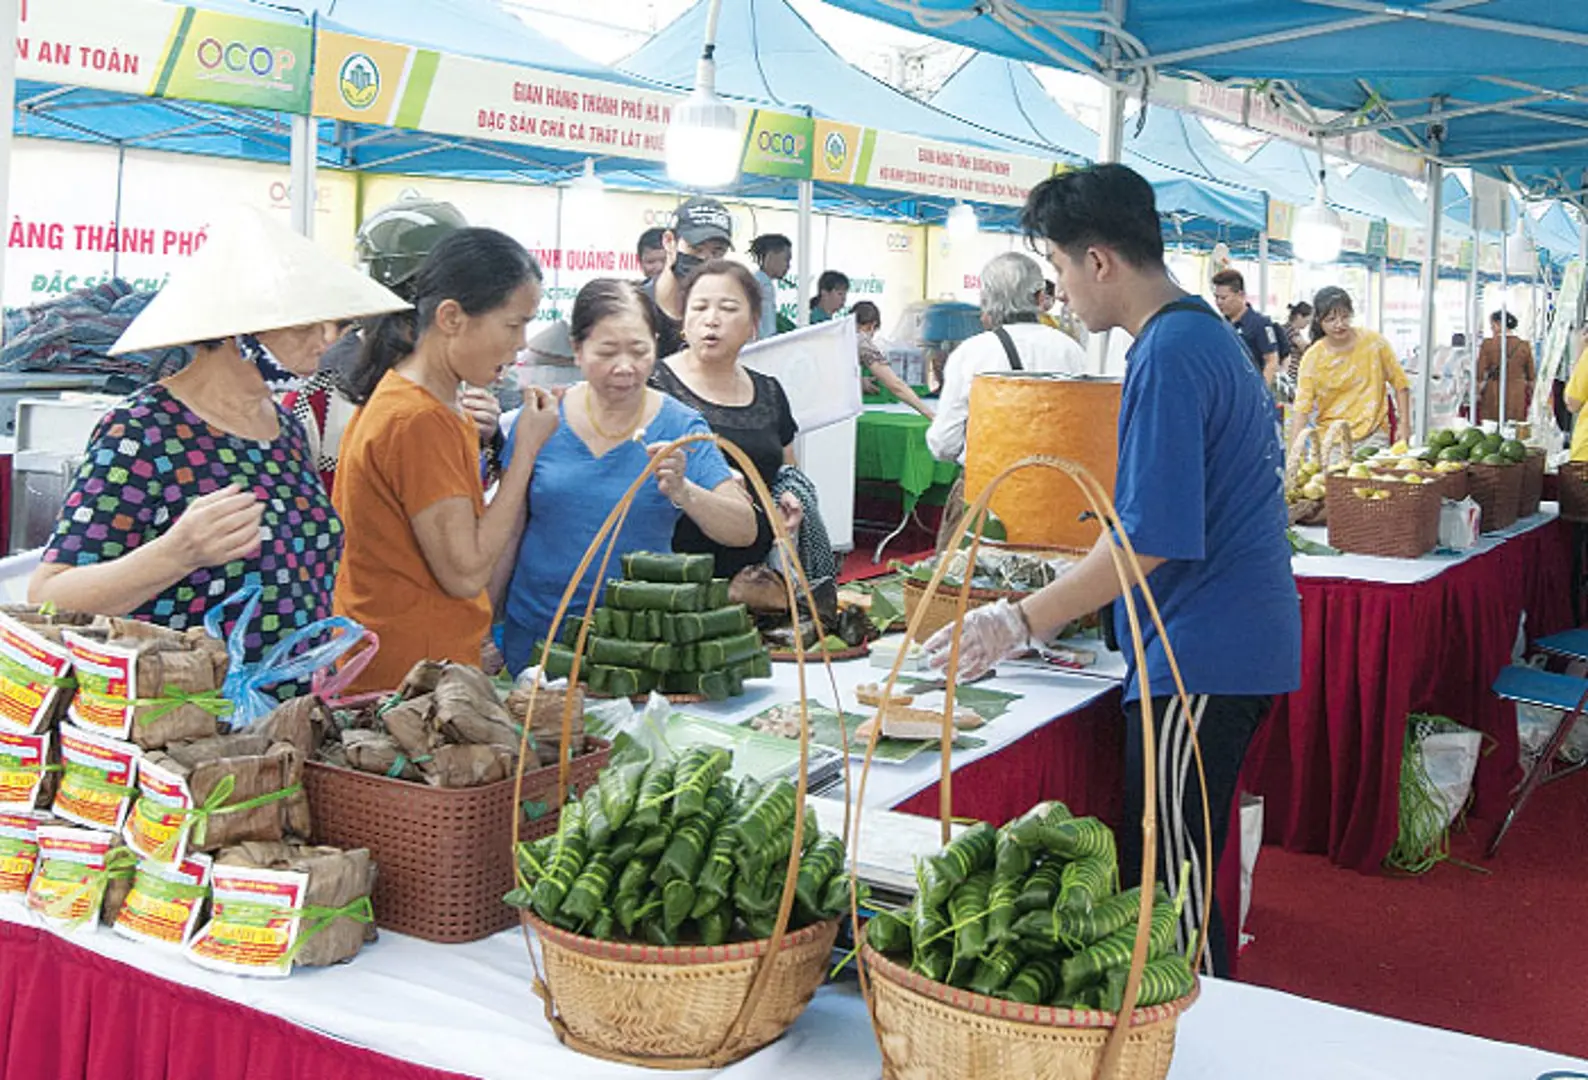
<point>684,1006</point>
<point>928,1029</point>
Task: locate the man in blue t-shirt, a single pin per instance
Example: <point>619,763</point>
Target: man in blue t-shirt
<point>1200,494</point>
<point>1256,329</point>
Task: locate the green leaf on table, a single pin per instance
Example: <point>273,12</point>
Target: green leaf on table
<point>992,528</point>
<point>985,703</point>
<point>1300,545</point>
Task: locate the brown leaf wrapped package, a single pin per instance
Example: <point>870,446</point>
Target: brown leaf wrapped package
<point>258,770</point>
<point>337,879</point>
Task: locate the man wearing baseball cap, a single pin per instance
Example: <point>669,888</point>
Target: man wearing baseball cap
<point>701,230</point>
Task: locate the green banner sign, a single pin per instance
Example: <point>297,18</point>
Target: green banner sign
<point>777,144</point>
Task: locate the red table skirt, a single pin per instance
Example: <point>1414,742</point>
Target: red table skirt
<point>1079,758</point>
<point>74,1015</point>
<point>1328,759</point>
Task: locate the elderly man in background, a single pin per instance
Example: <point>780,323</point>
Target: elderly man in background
<point>1016,340</point>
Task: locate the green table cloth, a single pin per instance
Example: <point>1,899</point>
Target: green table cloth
<point>891,447</point>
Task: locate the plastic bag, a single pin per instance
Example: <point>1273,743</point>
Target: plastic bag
<point>1459,524</point>
<point>291,660</point>
<point>1251,846</point>
<point>1450,759</point>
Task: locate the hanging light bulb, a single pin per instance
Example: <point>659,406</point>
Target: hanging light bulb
<point>585,194</point>
<point>961,221</point>
<point>703,138</point>
<point>1318,232</point>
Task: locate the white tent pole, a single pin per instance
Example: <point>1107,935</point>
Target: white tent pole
<point>1383,284</point>
<point>1475,318</point>
<point>302,174</point>
<point>8,100</point>
<point>1505,307</point>
<point>1436,197</point>
<point>1110,142</point>
<point>802,252</point>
<point>1262,271</point>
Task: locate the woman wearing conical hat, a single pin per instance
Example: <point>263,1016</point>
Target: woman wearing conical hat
<point>200,483</point>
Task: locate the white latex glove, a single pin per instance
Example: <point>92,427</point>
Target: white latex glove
<point>992,633</point>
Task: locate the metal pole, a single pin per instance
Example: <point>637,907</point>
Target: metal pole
<point>1383,279</point>
<point>8,101</point>
<point>1110,142</point>
<point>121,174</point>
<point>305,161</point>
<point>802,252</point>
<point>1474,321</point>
<point>1505,309</point>
<point>1262,271</point>
<point>1430,276</point>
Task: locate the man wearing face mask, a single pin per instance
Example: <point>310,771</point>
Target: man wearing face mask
<point>701,230</point>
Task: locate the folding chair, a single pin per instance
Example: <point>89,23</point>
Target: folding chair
<point>1571,643</point>
<point>1529,686</point>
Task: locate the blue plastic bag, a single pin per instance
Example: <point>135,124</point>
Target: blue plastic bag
<point>245,682</point>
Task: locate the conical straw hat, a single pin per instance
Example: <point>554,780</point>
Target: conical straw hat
<point>253,275</point>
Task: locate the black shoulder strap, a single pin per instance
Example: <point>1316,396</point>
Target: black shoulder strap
<point>1009,349</point>
<point>1185,303</point>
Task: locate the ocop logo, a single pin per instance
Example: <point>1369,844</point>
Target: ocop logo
<point>358,81</point>
<point>781,144</point>
<point>835,152</point>
<point>274,63</point>
<point>898,241</point>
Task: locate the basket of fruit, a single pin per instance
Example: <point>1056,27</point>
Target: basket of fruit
<point>1389,514</point>
<point>1493,466</point>
<point>684,919</point>
<point>1018,955</point>
<point>1574,490</point>
<point>1306,466</point>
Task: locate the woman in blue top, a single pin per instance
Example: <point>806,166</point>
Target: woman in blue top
<point>609,428</point>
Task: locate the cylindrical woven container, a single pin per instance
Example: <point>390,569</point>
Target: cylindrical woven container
<point>444,853</point>
<point>939,1031</point>
<point>1014,415</point>
<point>673,1007</point>
<point>1574,491</point>
<point>1532,492</point>
<point>1402,525</point>
<point>1497,489</point>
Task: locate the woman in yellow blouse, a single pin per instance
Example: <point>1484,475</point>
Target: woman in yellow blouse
<point>1347,374</point>
<point>1576,395</point>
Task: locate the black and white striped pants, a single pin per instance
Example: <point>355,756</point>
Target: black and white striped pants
<point>1224,727</point>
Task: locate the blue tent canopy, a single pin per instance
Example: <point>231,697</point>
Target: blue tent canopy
<point>1558,235</point>
<point>1505,74</point>
<point>999,92</point>
<point>768,55</point>
<point>1178,140</point>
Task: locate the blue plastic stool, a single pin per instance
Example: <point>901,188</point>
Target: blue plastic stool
<point>1529,686</point>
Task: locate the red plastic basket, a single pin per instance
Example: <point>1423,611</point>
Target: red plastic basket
<point>444,853</point>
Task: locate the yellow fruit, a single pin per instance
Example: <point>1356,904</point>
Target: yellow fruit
<point>1410,464</point>
<point>1400,448</point>
<point>1314,491</point>
<point>1359,471</point>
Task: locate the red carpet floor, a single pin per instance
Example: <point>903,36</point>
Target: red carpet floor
<point>1501,955</point>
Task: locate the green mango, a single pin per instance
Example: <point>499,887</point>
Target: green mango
<point>1471,437</point>
<point>1514,450</point>
<point>1453,453</point>
<point>1496,459</point>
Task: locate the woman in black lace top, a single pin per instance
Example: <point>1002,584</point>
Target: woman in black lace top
<point>722,308</point>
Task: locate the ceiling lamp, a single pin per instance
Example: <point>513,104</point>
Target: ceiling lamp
<point>703,138</point>
<point>961,221</point>
<point>1318,231</point>
<point>585,194</point>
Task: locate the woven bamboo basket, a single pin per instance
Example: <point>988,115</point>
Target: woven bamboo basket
<point>1532,492</point>
<point>941,610</point>
<point>681,1007</point>
<point>1309,448</point>
<point>1574,491</point>
<point>1497,489</point>
<point>1404,524</point>
<point>1452,485</point>
<point>930,1031</point>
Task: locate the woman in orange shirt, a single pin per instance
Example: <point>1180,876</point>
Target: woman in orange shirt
<point>422,544</point>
